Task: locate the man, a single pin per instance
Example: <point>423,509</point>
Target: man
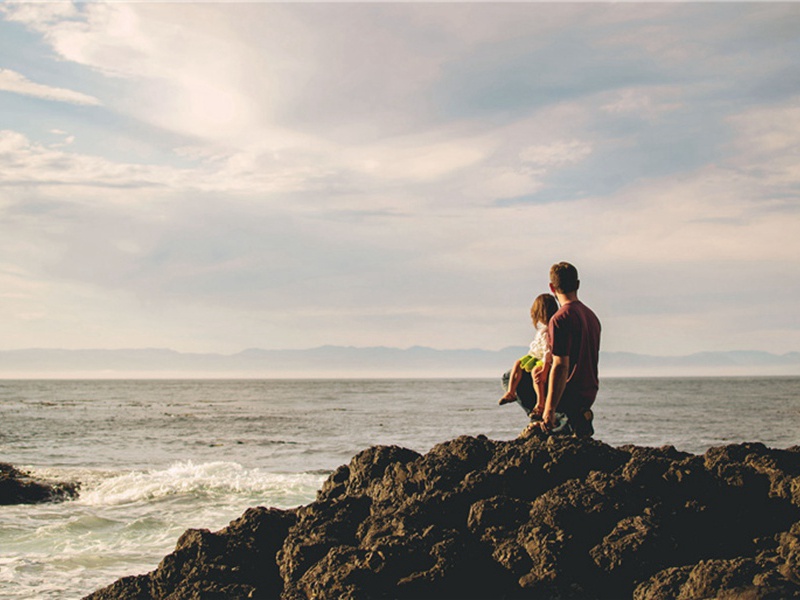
<point>575,339</point>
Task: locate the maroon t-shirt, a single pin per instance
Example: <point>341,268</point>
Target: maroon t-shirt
<point>575,332</point>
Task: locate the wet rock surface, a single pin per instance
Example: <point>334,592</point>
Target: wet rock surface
<point>554,517</point>
<point>18,487</point>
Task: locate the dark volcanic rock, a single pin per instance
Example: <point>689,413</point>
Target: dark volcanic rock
<point>555,517</point>
<point>18,487</point>
<point>234,563</point>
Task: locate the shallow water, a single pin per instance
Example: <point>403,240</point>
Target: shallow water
<point>158,457</point>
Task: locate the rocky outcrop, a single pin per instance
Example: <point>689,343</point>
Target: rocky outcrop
<point>18,487</point>
<point>555,517</point>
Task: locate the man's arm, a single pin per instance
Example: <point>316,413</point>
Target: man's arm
<point>555,389</point>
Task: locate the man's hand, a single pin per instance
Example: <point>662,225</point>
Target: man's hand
<point>558,380</point>
<point>548,419</point>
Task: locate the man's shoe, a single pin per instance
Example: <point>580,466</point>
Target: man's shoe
<point>561,425</point>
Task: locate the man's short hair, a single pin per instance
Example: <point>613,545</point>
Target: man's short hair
<point>564,277</point>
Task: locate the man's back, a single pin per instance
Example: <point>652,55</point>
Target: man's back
<point>575,332</point>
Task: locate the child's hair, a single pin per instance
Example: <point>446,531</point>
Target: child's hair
<point>544,307</point>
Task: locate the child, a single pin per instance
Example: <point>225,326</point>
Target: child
<point>539,356</point>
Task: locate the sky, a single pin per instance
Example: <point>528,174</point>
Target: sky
<point>210,177</point>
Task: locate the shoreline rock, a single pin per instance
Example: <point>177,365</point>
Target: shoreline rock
<point>555,517</point>
<point>18,487</point>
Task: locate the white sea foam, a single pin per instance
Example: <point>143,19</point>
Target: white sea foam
<point>124,522</point>
<point>197,480</point>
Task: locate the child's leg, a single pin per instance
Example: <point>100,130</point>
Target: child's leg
<point>513,382</point>
<point>516,375</point>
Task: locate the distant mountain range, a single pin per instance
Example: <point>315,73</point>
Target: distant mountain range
<point>341,361</point>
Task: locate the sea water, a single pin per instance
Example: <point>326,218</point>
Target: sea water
<point>157,457</point>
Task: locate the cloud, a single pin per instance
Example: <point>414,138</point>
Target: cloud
<point>742,209</point>
<point>768,147</point>
<point>38,12</point>
<point>556,154</point>
<point>24,163</point>
<point>402,174</point>
<point>649,101</point>
<point>11,81</point>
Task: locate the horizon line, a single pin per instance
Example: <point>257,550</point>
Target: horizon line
<point>380,347</point>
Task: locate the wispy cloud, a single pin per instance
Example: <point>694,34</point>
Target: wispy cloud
<point>266,174</point>
<point>11,81</point>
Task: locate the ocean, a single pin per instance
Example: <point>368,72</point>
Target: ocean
<point>156,457</point>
